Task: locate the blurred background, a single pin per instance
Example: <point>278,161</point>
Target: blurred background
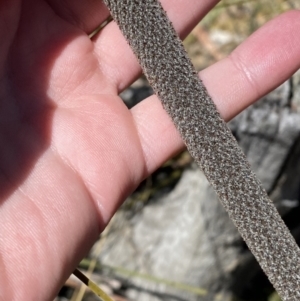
<point>171,240</point>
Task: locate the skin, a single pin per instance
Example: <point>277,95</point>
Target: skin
<point>70,151</point>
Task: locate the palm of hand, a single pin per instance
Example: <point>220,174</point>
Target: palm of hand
<point>70,149</point>
<point>66,137</point>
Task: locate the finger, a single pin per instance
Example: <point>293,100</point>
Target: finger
<point>260,64</point>
<point>86,15</point>
<point>117,59</point>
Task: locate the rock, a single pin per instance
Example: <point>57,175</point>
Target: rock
<point>187,237</point>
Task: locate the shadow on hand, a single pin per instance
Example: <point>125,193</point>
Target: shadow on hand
<point>26,113</point>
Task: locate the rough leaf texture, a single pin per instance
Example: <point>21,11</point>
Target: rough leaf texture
<point>209,140</point>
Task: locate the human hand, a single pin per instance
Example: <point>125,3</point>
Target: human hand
<point>70,149</point>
